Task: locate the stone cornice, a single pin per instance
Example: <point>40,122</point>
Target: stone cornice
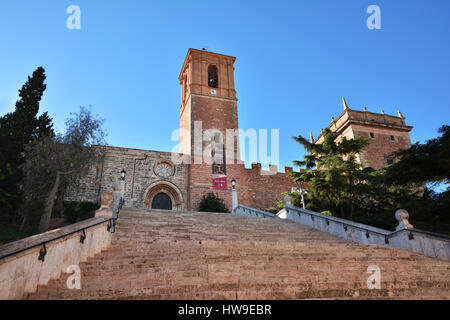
<point>202,53</point>
<point>362,118</point>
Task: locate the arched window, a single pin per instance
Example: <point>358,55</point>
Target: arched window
<point>213,78</point>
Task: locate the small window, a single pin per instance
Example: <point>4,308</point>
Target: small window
<point>393,138</point>
<point>372,135</point>
<point>213,79</point>
<point>97,173</point>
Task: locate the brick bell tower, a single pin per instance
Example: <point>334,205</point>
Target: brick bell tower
<point>209,104</point>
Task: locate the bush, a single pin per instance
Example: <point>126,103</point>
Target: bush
<point>212,203</point>
<point>77,211</point>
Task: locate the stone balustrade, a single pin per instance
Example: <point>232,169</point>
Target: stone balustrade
<point>252,212</point>
<point>33,261</point>
<point>414,240</point>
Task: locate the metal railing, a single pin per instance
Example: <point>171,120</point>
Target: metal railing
<point>111,227</point>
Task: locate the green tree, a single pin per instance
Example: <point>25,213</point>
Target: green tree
<point>4,195</point>
<point>421,163</point>
<point>212,203</point>
<point>334,177</point>
<point>20,127</point>
<point>51,160</point>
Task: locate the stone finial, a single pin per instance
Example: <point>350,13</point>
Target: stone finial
<point>365,109</point>
<point>382,111</point>
<point>332,119</point>
<point>106,200</point>
<point>311,136</point>
<point>321,130</point>
<point>402,217</point>
<point>400,115</point>
<point>287,200</point>
<point>344,103</point>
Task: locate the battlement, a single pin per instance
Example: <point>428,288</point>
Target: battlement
<point>363,118</point>
<point>273,169</point>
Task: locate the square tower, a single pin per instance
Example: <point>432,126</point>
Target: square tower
<point>387,133</point>
<point>208,102</point>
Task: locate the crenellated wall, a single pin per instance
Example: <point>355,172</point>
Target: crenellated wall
<point>256,188</point>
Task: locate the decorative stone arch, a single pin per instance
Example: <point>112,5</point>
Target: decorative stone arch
<point>166,187</point>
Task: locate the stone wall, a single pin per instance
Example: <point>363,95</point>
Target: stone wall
<point>381,145</point>
<point>414,240</point>
<point>256,188</point>
<point>22,272</point>
<point>140,175</point>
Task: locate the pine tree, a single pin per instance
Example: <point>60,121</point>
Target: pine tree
<point>333,174</point>
<point>19,128</point>
<point>421,163</point>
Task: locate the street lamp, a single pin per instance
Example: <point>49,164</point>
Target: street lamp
<point>233,184</point>
<point>302,193</point>
<point>122,174</point>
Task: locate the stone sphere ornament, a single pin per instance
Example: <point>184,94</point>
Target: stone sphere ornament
<point>287,200</point>
<point>402,217</point>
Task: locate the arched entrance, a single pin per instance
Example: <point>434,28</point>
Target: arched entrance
<point>162,201</point>
<point>163,195</point>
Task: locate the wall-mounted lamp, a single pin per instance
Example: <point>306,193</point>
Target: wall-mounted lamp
<point>122,174</point>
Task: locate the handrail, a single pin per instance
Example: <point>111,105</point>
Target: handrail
<point>43,243</point>
<point>111,228</point>
<point>429,233</point>
<point>351,224</point>
<point>388,234</point>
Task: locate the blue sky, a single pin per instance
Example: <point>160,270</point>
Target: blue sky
<point>295,60</point>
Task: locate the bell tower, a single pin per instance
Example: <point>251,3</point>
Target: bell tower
<point>208,102</point>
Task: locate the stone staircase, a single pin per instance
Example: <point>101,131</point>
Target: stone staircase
<point>186,255</point>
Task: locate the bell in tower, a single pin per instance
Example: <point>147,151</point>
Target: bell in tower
<point>213,80</point>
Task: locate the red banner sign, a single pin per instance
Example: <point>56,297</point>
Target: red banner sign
<point>220,183</point>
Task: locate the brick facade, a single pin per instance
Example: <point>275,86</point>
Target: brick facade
<point>387,133</point>
<point>208,101</point>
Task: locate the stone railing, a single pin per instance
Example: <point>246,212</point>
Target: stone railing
<point>33,261</point>
<point>405,237</point>
<point>252,213</point>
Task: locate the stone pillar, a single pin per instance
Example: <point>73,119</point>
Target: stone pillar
<point>122,188</point>
<point>234,199</point>
<point>287,200</point>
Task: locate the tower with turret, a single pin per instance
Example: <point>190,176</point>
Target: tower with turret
<point>387,133</point>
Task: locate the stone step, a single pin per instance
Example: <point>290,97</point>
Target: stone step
<point>184,255</point>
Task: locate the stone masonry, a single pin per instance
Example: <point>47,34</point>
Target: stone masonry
<point>387,133</point>
<point>208,101</point>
